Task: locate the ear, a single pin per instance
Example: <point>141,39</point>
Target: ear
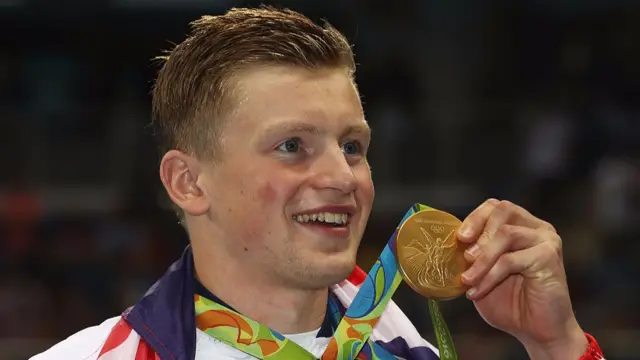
<point>181,176</point>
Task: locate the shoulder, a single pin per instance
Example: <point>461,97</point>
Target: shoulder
<point>83,345</point>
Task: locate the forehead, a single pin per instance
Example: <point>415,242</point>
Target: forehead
<point>283,94</point>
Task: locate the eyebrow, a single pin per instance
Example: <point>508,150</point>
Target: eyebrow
<point>314,130</point>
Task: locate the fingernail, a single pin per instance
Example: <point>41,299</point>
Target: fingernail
<point>465,230</point>
<point>471,292</point>
<point>474,251</point>
<point>467,275</point>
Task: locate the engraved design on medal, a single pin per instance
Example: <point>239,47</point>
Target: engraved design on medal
<point>431,256</point>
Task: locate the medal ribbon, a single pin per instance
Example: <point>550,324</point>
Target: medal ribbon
<point>351,338</point>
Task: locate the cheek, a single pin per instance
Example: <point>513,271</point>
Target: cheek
<point>366,189</point>
<point>265,206</point>
<point>244,216</point>
<point>248,219</point>
<point>267,194</point>
<point>275,193</point>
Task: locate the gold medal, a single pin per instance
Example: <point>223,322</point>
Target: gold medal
<point>430,257</point>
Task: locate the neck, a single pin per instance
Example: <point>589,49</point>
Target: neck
<point>284,309</point>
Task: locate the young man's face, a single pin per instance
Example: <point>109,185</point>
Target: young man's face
<point>293,191</point>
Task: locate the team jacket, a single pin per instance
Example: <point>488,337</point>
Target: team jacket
<point>161,326</point>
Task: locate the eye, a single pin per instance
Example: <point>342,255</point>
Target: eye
<point>352,148</point>
<point>290,146</point>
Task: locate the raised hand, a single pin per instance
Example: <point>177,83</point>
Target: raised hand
<point>518,281</point>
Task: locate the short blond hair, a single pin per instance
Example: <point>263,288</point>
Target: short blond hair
<point>191,93</point>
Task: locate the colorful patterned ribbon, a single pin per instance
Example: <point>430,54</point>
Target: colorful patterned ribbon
<point>351,338</point>
<point>364,312</point>
<point>244,334</point>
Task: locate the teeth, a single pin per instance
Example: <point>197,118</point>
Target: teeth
<point>326,217</point>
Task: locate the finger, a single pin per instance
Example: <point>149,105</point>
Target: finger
<point>472,226</point>
<point>508,238</point>
<point>508,264</point>
<point>507,212</point>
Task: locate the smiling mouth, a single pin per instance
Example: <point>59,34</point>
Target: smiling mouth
<point>324,219</point>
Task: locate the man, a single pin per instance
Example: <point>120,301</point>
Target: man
<point>265,145</point>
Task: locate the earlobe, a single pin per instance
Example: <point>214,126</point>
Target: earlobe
<point>179,174</point>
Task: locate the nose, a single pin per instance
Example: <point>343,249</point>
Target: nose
<point>333,171</point>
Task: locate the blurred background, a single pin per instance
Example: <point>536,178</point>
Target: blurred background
<point>534,101</point>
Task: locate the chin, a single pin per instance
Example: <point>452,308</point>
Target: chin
<point>334,269</point>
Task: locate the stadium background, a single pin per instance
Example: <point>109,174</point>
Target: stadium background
<point>531,101</point>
